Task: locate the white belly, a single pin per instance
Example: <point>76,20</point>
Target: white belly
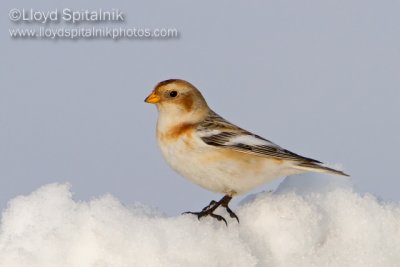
<point>218,169</point>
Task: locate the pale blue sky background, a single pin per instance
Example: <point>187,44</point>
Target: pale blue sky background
<point>320,78</point>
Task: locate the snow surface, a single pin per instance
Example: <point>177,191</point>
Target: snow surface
<point>308,221</point>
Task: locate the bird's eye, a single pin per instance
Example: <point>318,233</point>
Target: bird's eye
<point>173,93</point>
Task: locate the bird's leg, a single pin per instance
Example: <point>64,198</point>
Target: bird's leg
<point>212,203</point>
<point>209,210</point>
<point>224,203</point>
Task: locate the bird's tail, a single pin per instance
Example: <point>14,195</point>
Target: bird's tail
<point>316,167</point>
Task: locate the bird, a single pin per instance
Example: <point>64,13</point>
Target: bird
<point>216,154</point>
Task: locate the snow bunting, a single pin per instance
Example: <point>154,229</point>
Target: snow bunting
<point>214,153</point>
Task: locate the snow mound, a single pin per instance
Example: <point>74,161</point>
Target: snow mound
<point>290,227</point>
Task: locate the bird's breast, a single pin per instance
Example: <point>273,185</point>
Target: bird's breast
<point>217,169</point>
<point>181,150</point>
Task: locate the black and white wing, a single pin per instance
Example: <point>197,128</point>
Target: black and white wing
<point>216,131</point>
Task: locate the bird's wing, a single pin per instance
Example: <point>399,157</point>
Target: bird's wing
<point>218,132</point>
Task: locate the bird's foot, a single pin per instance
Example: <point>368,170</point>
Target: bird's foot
<point>232,214</point>
<point>212,204</point>
<point>209,210</point>
<point>207,213</point>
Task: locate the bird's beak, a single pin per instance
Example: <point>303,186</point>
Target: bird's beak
<point>152,98</point>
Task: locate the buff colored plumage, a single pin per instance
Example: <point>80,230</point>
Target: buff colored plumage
<point>214,153</point>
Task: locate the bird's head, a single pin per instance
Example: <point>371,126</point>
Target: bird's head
<point>178,98</point>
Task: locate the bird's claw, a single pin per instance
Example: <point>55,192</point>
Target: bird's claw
<point>209,210</point>
<point>232,214</point>
<point>205,213</point>
<point>219,218</point>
